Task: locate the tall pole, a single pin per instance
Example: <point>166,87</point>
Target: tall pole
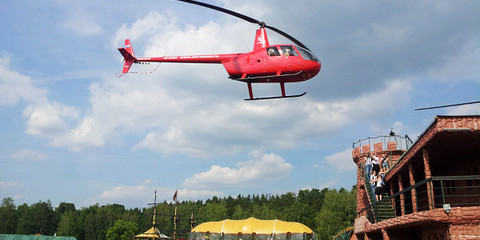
<point>154,212</point>
<point>191,221</point>
<point>175,222</point>
<point>154,208</point>
<point>175,216</point>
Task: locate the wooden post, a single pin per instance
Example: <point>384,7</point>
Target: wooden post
<point>175,222</point>
<point>394,202</point>
<point>428,174</point>
<point>192,221</point>
<point>402,196</point>
<point>414,190</point>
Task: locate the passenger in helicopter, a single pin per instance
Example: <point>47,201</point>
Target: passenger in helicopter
<point>272,51</point>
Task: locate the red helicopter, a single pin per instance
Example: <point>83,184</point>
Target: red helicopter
<point>265,64</point>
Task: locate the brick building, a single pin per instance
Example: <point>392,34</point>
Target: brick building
<point>432,186</point>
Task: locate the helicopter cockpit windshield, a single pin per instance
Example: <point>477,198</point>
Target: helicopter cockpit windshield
<point>306,54</point>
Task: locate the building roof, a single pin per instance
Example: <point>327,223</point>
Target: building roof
<point>33,237</point>
<point>446,136</point>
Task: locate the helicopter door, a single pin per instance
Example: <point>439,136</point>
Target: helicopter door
<point>288,53</point>
<point>274,61</point>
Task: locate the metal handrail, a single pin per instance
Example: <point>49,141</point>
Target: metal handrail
<point>408,141</point>
<point>440,193</point>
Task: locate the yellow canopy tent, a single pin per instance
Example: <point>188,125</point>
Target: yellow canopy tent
<point>252,229</point>
<point>151,233</point>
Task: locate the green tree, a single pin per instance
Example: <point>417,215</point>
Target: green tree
<point>8,216</point>
<point>64,207</point>
<point>26,220</point>
<point>90,228</point>
<point>68,225</point>
<point>214,211</point>
<point>307,205</point>
<point>337,213</point>
<point>231,203</point>
<point>45,219</point>
<point>263,211</point>
<point>240,213</point>
<point>121,230</point>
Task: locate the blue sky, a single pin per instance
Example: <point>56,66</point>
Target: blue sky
<point>73,132</point>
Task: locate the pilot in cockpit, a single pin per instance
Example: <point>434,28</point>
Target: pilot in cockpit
<point>287,52</point>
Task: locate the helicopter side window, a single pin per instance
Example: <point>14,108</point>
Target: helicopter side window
<point>272,51</point>
<point>287,51</point>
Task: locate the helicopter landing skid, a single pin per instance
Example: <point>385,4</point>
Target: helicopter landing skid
<point>282,86</point>
<point>275,97</point>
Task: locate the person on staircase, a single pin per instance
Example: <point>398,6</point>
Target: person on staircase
<point>373,182</point>
<point>368,165</point>
<point>375,164</point>
<point>377,181</point>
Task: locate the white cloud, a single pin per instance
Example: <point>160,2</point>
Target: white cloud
<point>86,134</point>
<point>26,154</point>
<point>398,127</point>
<point>48,119</point>
<point>171,124</point>
<point>240,125</point>
<point>10,184</point>
<point>132,195</point>
<point>144,29</point>
<point>459,66</point>
<point>473,109</point>
<point>123,192</point>
<point>371,52</point>
<point>15,86</point>
<point>329,184</point>
<point>83,25</point>
<point>195,194</point>
<point>268,168</point>
<point>44,118</point>
<point>12,188</point>
<point>176,109</point>
<point>137,195</point>
<point>341,161</point>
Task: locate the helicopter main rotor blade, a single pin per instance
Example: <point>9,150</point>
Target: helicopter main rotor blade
<point>239,15</point>
<point>287,36</point>
<point>445,106</point>
<point>248,19</point>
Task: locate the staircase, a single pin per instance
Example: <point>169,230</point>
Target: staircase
<point>382,210</point>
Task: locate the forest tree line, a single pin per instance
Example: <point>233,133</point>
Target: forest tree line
<point>325,211</point>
